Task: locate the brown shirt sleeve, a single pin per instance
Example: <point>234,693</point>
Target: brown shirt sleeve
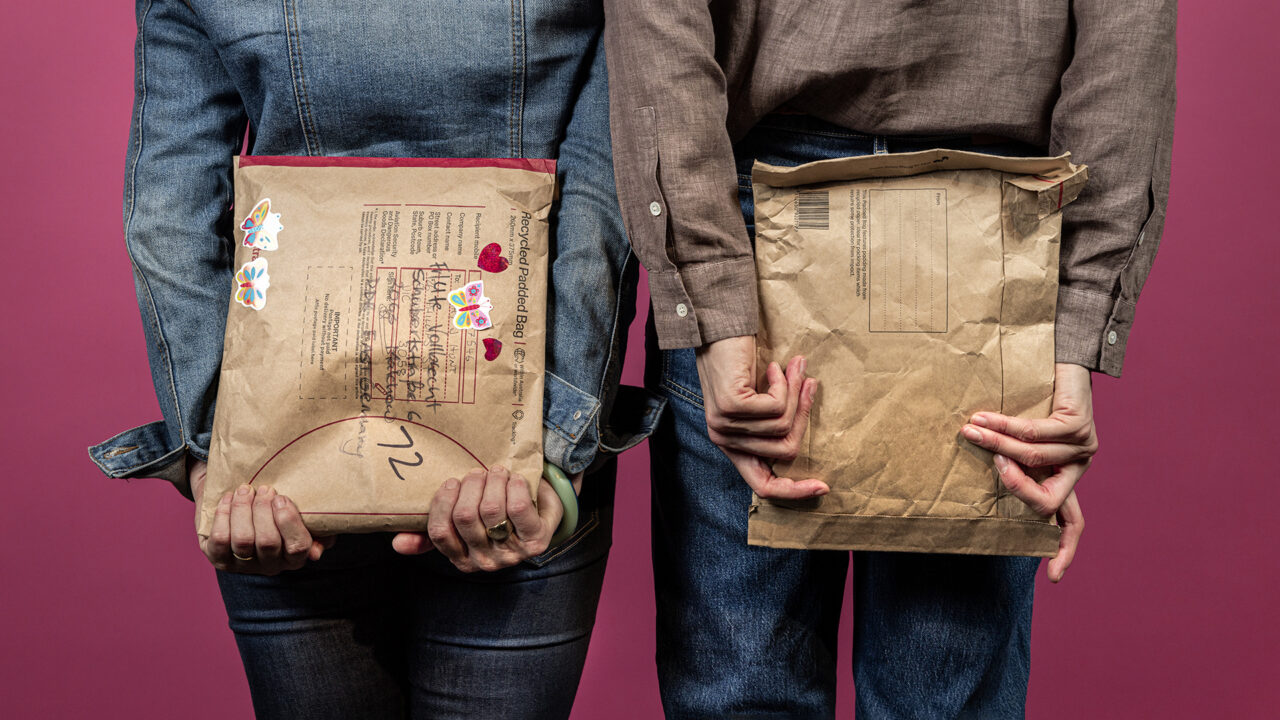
<point>673,161</point>
<point>1115,114</point>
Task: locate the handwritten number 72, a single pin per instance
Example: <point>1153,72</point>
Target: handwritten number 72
<point>394,462</point>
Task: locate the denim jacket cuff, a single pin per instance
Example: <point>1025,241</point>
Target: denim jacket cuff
<point>573,433</point>
<point>635,416</point>
<point>144,452</point>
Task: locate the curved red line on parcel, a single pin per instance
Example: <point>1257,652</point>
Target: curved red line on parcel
<point>364,417</point>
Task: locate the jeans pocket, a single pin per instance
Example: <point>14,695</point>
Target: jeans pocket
<point>680,375</point>
<point>586,525</point>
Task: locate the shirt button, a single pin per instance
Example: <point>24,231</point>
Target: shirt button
<point>1111,337</point>
<point>577,414</point>
<point>681,310</point>
<point>655,209</point>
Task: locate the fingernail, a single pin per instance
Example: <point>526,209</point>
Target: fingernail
<point>973,434</point>
<point>226,500</point>
<point>243,490</point>
<point>279,502</point>
<point>451,484</point>
<point>804,365</point>
<point>979,420</point>
<point>813,390</point>
<point>1002,463</point>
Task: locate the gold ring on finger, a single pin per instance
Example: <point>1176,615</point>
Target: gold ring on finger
<point>241,558</point>
<point>499,532</point>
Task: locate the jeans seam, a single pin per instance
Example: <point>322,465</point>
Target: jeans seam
<point>676,387</point>
<point>515,115</point>
<point>683,392</point>
<point>293,36</point>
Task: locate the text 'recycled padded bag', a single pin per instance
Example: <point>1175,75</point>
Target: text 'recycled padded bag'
<point>386,332</point>
<point>922,288</point>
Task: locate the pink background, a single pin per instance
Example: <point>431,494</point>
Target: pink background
<point>1170,611</point>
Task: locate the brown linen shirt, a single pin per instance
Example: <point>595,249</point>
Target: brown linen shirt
<point>690,77</point>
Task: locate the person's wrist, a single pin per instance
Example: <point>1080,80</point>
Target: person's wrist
<point>196,471</point>
<point>1076,371</point>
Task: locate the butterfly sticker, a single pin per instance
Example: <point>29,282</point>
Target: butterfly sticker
<point>252,282</point>
<point>261,227</point>
<point>471,306</point>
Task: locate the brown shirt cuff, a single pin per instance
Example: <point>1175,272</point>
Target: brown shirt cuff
<point>1092,330</point>
<point>703,303</point>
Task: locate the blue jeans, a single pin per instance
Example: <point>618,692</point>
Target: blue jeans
<point>750,632</point>
<point>368,633</point>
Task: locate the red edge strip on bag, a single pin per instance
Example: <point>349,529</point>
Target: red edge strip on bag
<point>531,164</point>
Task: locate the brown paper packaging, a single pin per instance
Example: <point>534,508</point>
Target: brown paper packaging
<point>385,333</point>
<point>922,288</point>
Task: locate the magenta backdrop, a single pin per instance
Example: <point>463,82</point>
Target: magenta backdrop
<point>1170,610</point>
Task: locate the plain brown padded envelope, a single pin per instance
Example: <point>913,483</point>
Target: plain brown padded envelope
<point>922,288</point>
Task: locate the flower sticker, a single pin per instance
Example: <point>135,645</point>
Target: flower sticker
<point>261,227</point>
<point>252,282</point>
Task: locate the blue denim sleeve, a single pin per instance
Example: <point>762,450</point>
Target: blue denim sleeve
<point>591,297</point>
<point>188,122</point>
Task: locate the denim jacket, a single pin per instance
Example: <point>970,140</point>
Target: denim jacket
<point>434,78</point>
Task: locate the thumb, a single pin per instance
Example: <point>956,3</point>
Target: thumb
<point>777,380</point>
<point>411,543</point>
<point>550,509</point>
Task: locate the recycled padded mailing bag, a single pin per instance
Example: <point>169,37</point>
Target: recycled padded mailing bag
<point>922,288</point>
<point>386,332</point>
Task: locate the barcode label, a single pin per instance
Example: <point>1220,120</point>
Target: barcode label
<point>813,210</point>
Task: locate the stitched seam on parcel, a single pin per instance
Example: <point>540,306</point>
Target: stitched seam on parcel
<point>984,518</point>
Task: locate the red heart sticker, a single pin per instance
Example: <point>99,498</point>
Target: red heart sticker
<point>491,259</point>
<point>492,348</point>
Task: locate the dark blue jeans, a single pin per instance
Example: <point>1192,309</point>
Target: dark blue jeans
<point>750,632</point>
<point>367,633</point>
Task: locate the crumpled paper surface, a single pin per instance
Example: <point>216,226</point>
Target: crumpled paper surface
<point>922,288</point>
